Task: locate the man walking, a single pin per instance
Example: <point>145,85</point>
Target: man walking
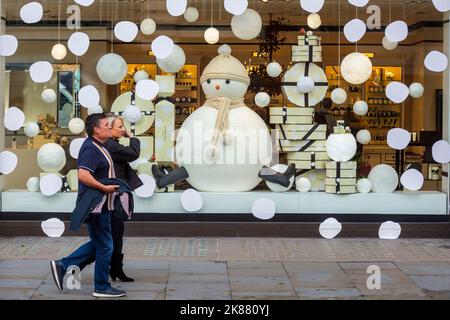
<point>94,164</point>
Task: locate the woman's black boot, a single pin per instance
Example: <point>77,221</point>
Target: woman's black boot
<point>116,270</point>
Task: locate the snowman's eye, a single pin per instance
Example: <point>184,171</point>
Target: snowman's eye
<point>227,82</point>
<point>208,81</point>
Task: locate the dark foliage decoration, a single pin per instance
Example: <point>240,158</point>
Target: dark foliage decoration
<point>270,41</point>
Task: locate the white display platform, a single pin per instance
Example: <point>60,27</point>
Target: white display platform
<point>293,202</point>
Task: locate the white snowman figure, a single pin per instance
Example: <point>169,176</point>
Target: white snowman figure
<point>224,144</point>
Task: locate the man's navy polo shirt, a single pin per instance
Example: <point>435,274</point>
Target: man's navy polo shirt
<point>92,159</point>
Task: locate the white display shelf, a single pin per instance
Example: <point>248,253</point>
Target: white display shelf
<point>407,203</point>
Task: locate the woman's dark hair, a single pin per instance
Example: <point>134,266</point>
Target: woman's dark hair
<point>327,103</point>
<point>93,121</point>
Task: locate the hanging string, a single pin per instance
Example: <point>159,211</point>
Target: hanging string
<point>390,12</point>
<point>339,43</point>
<point>112,27</point>
<point>212,5</point>
<point>59,21</point>
<point>356,14</point>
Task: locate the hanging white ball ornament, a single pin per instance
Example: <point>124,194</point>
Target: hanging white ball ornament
<point>148,26</point>
<point>360,108</point>
<point>338,96</point>
<point>262,99</point>
<point>274,69</point>
<point>356,68</point>
<point>112,69</point>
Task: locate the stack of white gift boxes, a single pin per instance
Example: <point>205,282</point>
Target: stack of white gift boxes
<point>309,49</point>
<point>341,176</point>
<point>295,132</point>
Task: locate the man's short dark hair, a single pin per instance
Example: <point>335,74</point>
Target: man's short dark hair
<point>93,121</point>
<point>327,103</point>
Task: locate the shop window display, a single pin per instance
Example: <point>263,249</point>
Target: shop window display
<point>232,101</point>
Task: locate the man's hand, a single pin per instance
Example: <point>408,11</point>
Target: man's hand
<point>110,188</point>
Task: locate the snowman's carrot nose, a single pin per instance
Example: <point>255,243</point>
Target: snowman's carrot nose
<point>217,87</point>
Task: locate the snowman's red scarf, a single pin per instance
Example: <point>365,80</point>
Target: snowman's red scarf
<point>223,106</point>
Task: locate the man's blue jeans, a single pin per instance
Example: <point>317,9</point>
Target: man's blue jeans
<point>101,245</point>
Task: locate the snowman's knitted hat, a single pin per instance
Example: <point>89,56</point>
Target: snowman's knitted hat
<point>225,66</point>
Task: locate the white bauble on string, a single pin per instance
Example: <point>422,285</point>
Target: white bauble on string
<point>148,26</point>
<point>441,151</point>
<point>78,43</point>
<point>412,180</point>
<point>360,107</point>
<point>54,228</point>
<point>436,61</point>
<point>51,157</point>
<point>264,209</point>
<point>247,26</point>
<point>354,30</point>
<point>8,45</point>
<point>330,228</point>
<point>50,184</point>
<point>8,162</point>
<point>389,45</point>
<point>338,96</point>
<point>147,89</point>
<point>191,200</point>
<point>191,14</point>
<point>176,7</point>
<point>363,136</point>
<point>126,31</point>
<point>303,184</point>
<point>33,184</point>
<point>314,21</point>
<point>236,7</point>
<point>31,129</point>
<point>85,3</point>
<point>274,69</point>
<point>416,90</point>
<point>356,68</point>
<point>359,3</point>
<point>312,6</point>
<point>59,51</point>
<point>14,119</point>
<point>41,71</point>
<point>364,185</point>
<point>389,230</point>
<point>148,188</point>
<point>112,68</point>
<point>75,146</point>
<point>211,35</point>
<point>76,125</point>
<point>32,12</point>
<point>281,168</point>
<point>174,62</point>
<point>341,147</point>
<point>88,96</point>
<point>305,85</point>
<point>262,99</point>
<point>140,75</point>
<point>48,96</point>
<point>398,138</point>
<point>96,109</point>
<point>384,178</point>
<point>396,31</point>
<point>132,114</point>
<point>442,5</point>
<point>162,47</point>
<point>397,91</point>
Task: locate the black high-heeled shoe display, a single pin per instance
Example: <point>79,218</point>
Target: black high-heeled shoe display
<point>282,179</point>
<point>164,179</point>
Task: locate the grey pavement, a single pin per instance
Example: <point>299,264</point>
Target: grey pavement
<point>241,268</point>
